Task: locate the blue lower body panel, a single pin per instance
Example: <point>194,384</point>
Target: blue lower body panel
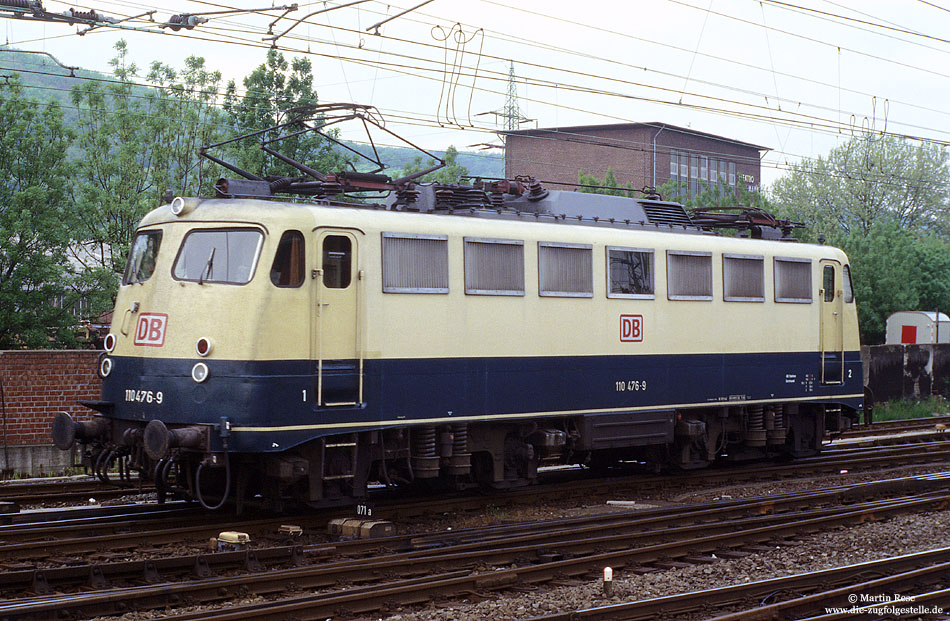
<point>271,406</point>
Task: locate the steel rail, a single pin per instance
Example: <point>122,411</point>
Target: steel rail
<point>585,555</point>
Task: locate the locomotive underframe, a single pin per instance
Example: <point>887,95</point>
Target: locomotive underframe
<point>341,468</point>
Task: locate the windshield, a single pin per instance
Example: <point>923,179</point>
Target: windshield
<point>221,256</point>
<point>142,257</point>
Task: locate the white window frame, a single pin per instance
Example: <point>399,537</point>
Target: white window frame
<point>775,279</point>
<point>726,273</point>
<point>633,296</point>
<point>566,294</point>
<point>669,271</point>
<point>470,242</point>
<point>385,264</point>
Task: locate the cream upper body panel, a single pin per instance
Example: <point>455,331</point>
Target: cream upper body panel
<point>260,321</point>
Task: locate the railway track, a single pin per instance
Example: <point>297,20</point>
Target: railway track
<point>61,490</point>
<point>904,581</point>
<point>880,428</point>
<point>410,569</point>
<point>45,537</point>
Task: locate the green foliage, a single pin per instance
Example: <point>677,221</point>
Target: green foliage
<point>607,185</point>
<point>900,410</point>
<point>884,202</point>
<point>35,222</point>
<point>277,93</point>
<point>448,174</point>
<point>867,181</point>
<point>135,145</point>
<point>718,195</point>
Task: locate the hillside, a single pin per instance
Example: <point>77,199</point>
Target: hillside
<point>44,80</point>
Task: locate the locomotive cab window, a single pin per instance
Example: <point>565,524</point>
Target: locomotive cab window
<point>288,268</point>
<point>226,256</point>
<point>565,270</point>
<point>743,278</point>
<point>415,263</point>
<point>792,280</point>
<point>142,257</point>
<point>337,258</point>
<point>494,266</point>
<point>689,275</point>
<point>846,281</point>
<point>630,273</point>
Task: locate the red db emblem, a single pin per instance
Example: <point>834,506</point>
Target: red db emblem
<point>631,328</point>
<point>150,329</point>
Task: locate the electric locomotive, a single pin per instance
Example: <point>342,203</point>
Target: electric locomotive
<point>458,335</point>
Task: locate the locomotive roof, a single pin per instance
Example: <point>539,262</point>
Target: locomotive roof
<point>276,216</point>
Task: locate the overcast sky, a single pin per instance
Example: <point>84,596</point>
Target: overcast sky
<point>796,77</point>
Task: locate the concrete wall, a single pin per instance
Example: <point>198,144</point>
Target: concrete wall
<point>36,385</point>
<point>906,371</point>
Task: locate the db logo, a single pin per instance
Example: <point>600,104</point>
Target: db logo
<point>150,329</point>
<point>631,328</point>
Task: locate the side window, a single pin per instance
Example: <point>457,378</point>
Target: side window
<point>743,278</point>
<point>288,268</point>
<point>494,266</point>
<point>222,256</point>
<point>337,260</point>
<point>142,257</point>
<point>415,263</point>
<point>565,270</point>
<point>848,289</point>
<point>828,283</point>
<point>689,275</point>
<point>630,273</point>
<point>792,280</point>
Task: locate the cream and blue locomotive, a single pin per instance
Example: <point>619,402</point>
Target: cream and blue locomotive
<point>458,335</point>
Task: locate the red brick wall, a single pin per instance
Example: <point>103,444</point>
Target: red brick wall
<point>556,156</point>
<point>38,384</point>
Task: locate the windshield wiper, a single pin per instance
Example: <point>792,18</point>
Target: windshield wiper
<point>208,267</point>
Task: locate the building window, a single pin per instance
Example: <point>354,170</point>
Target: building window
<point>494,266</point>
<point>732,174</point>
<point>792,280</point>
<point>565,270</point>
<point>743,278</point>
<point>629,273</point>
<point>689,275</point>
<point>415,263</point>
<point>703,170</point>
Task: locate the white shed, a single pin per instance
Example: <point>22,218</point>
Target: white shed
<point>916,327</point>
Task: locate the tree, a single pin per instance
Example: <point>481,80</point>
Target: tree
<point>868,180</point>
<point>35,223</point>
<point>883,201</point>
<point>450,173</point>
<point>135,145</point>
<point>609,184</point>
<point>277,92</point>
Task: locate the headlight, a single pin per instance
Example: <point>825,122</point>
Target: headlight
<point>199,372</point>
<point>109,342</point>
<point>105,367</point>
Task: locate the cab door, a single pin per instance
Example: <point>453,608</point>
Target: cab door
<point>831,330</point>
<point>337,319</point>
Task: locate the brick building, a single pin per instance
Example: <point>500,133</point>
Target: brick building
<point>642,154</point>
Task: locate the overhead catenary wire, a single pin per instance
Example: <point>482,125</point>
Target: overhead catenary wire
<point>408,70</point>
